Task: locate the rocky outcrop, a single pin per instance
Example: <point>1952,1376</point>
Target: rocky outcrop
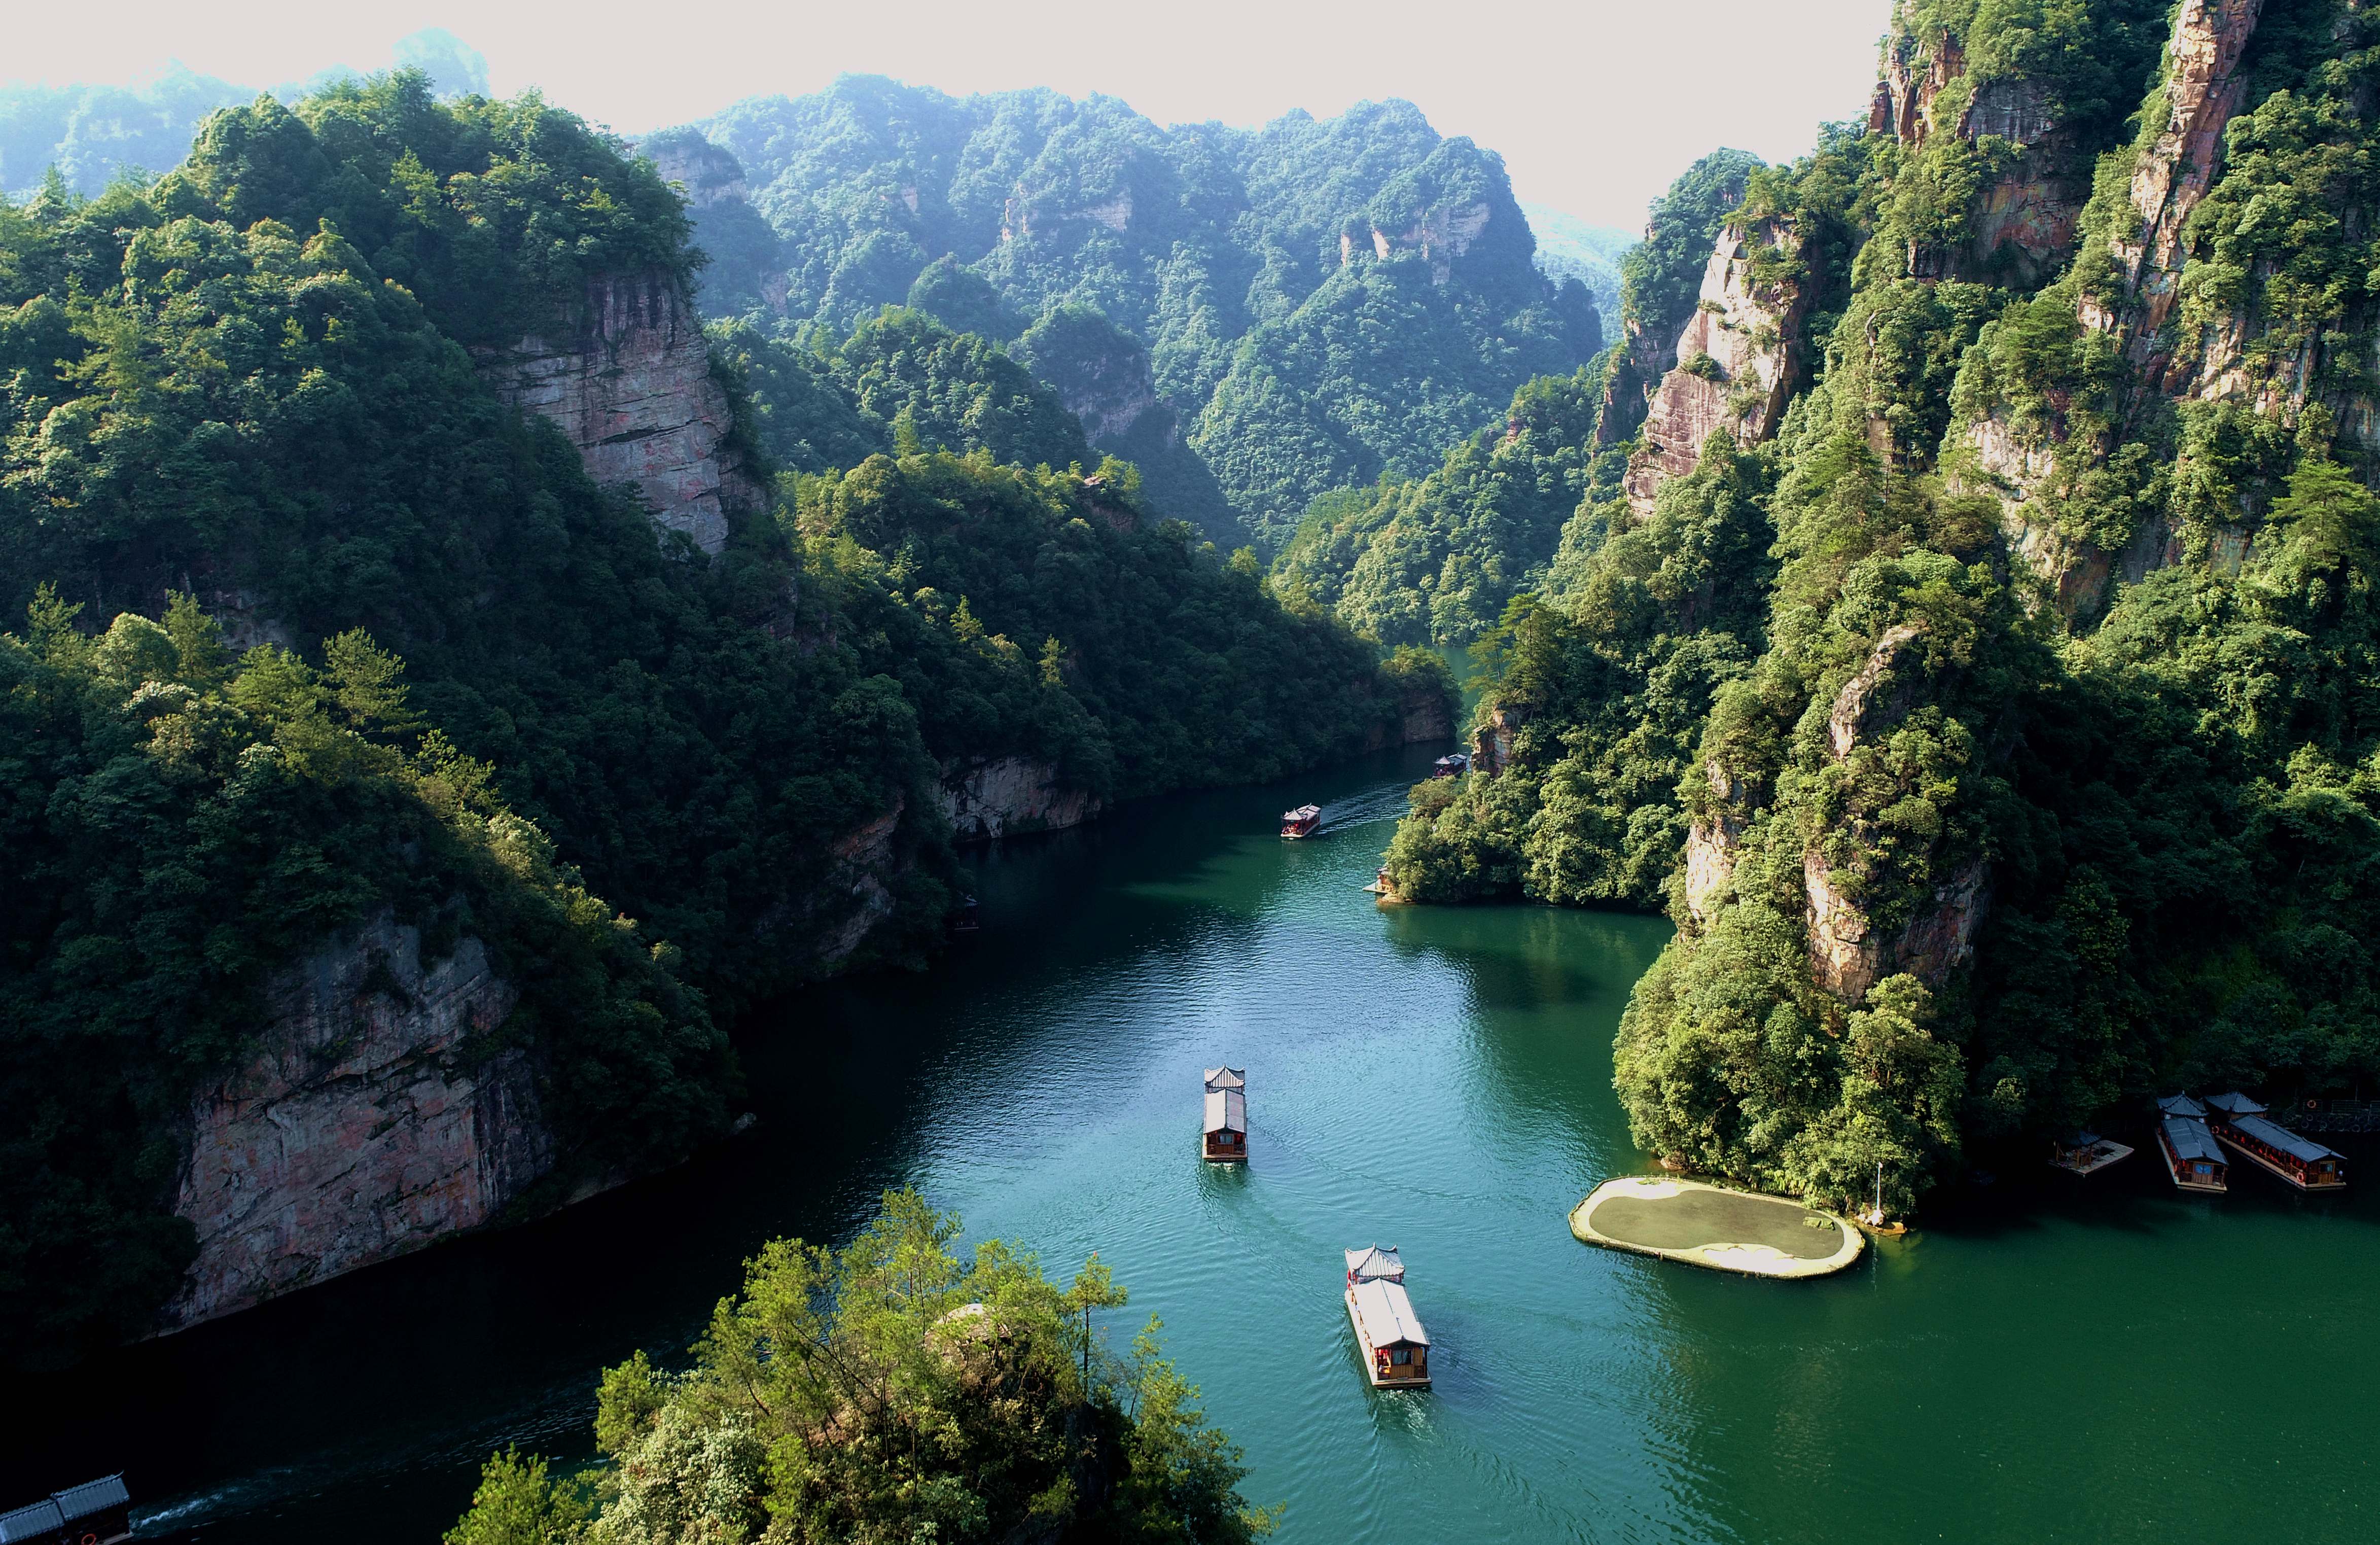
<point>987,800</point>
<point>362,1128</point>
<point>708,175</point>
<point>1712,839</point>
<point>2203,91</point>
<point>627,378</point>
<point>1424,716</point>
<point>1492,743</point>
<point>1847,955</point>
<point>1737,362</point>
<point>864,864</point>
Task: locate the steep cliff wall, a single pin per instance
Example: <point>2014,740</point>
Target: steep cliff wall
<point>360,1129</point>
<point>1736,363</point>
<point>630,384</point>
<point>987,800</point>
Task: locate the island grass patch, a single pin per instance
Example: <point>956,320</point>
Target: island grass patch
<point>1709,1225</point>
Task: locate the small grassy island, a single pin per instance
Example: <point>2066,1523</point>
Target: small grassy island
<point>1707,1225</point>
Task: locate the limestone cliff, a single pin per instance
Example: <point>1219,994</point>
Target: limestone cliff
<point>627,378</point>
<point>986,800</point>
<point>1738,361</point>
<point>362,1127</point>
<point>1848,953</point>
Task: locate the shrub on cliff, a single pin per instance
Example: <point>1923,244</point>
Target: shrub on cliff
<point>890,1391</point>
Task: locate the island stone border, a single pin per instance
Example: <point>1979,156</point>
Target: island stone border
<point>1754,1261</point>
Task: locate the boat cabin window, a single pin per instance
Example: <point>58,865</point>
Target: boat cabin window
<point>1401,1355</point>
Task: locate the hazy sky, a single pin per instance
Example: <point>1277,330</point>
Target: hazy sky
<point>1595,104</point>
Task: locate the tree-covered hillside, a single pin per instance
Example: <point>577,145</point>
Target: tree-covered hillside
<point>260,388</point>
<point>1304,306</point>
<point>2000,721</point>
<point>1435,560</point>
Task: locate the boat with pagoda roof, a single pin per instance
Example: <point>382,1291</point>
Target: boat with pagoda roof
<point>1301,822</point>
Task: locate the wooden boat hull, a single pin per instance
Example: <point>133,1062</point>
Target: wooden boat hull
<point>1371,1363</point>
<point>2275,1170</point>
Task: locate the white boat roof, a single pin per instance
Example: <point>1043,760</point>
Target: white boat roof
<point>1227,1110</point>
<point>1226,1078</point>
<point>2191,1139</point>
<point>1373,1262</point>
<point>2304,1149</point>
<point>2180,1106</point>
<point>1387,1314</point>
<point>1301,812</point>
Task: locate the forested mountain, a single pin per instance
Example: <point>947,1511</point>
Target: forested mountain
<point>403,576</point>
<point>1436,559</point>
<point>1297,308</point>
<point>1980,657</point>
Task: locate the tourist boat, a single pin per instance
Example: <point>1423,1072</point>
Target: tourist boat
<point>1388,1333</point>
<point>2087,1152</point>
<point>966,919</point>
<point>96,1512</point>
<point>2239,1125</point>
<point>2191,1155</point>
<point>1226,1139</point>
<point>1301,822</point>
<point>1451,765</point>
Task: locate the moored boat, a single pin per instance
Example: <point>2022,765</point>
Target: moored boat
<point>96,1512</point>
<point>1388,1333</point>
<point>1301,822</point>
<point>2192,1158</point>
<point>2087,1153</point>
<point>2239,1125</point>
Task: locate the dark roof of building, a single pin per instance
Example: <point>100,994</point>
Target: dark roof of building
<point>1226,1078</point>
<point>92,1496</point>
<point>2304,1149</point>
<point>2235,1104</point>
<point>2191,1139</point>
<point>2084,1139</point>
<point>41,1521</point>
<point>2180,1106</point>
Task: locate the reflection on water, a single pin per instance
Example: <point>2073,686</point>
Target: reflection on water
<point>2046,1367</point>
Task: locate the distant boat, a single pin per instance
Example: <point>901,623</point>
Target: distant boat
<point>964,919</point>
<point>1395,1347</point>
<point>1451,765</point>
<point>96,1512</point>
<point>1301,822</point>
<point>1226,1138</point>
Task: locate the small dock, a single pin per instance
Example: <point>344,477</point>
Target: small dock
<point>1226,1138</point>
<point>2087,1154</point>
<point>2239,1125</point>
<point>1395,1347</point>
<point>1709,1225</point>
<point>2188,1147</point>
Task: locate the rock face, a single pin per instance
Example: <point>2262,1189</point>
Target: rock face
<point>1847,956</point>
<point>629,381</point>
<point>2203,92</point>
<point>358,1131</point>
<point>708,175</point>
<point>864,862</point>
<point>987,800</point>
<point>1738,361</point>
<point>1711,842</point>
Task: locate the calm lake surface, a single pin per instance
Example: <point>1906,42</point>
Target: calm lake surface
<point>2104,1361</point>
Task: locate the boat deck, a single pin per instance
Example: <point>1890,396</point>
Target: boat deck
<point>1709,1225</point>
<point>2098,1157</point>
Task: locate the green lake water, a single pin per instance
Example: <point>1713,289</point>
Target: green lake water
<point>2099,1361</point>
